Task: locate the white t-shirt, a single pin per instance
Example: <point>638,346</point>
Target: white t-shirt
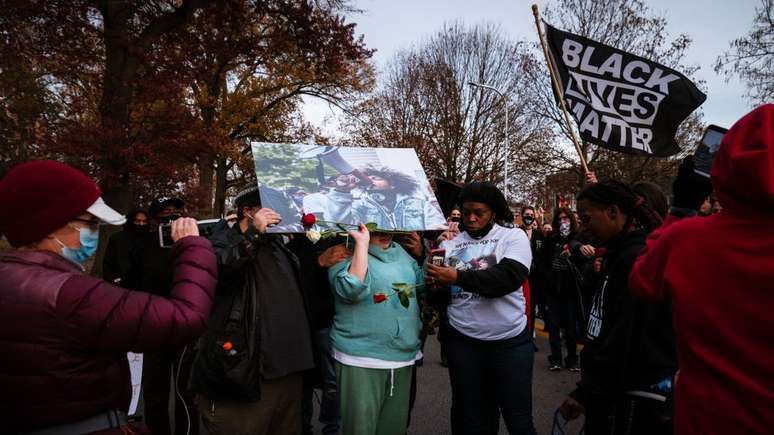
<point>475,315</point>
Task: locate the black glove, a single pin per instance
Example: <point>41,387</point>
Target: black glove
<point>690,189</point>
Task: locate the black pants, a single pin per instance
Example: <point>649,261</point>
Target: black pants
<point>157,370</point>
<point>629,415</point>
<point>329,402</point>
<point>563,313</point>
<point>489,378</point>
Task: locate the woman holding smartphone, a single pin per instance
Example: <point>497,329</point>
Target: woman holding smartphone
<point>487,342</point>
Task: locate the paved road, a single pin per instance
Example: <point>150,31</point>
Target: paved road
<point>431,412</point>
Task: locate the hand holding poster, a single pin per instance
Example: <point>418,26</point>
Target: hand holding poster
<point>621,101</point>
<point>345,185</point>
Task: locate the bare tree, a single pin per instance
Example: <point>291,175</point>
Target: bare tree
<point>751,57</point>
<point>424,101</point>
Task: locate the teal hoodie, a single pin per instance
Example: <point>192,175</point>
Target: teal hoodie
<point>363,327</point>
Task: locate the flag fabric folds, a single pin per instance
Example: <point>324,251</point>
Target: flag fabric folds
<point>621,101</point>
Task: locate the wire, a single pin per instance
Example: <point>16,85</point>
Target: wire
<point>180,396</point>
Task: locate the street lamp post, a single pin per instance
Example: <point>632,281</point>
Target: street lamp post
<point>505,146</point>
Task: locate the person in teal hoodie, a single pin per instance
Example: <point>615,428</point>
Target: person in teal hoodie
<point>375,333</point>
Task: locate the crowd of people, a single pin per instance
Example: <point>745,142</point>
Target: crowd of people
<point>670,303</point>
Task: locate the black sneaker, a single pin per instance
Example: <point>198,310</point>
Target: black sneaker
<point>554,367</point>
<point>574,367</point>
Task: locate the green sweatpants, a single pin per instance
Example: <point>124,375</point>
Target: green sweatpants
<point>373,401</point>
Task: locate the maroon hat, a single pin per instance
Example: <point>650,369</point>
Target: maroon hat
<point>41,196</point>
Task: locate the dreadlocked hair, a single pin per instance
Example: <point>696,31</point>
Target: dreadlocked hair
<point>613,192</point>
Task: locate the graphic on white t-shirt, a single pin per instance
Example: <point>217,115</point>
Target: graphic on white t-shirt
<point>482,317</point>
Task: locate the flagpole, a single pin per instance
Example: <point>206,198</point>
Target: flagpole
<point>557,88</point>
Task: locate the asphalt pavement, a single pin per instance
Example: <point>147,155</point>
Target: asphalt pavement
<point>433,405</point>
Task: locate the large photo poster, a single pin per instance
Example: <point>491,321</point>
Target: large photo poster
<point>345,186</point>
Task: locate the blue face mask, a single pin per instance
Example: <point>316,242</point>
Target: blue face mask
<point>89,240</point>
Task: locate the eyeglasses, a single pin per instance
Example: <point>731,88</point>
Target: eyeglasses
<point>91,223</point>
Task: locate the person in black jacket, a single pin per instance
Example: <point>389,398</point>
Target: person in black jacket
<point>248,372</point>
<point>153,265</point>
<point>536,239</point>
<point>628,364</point>
<point>562,256</point>
<point>119,265</point>
<point>315,259</point>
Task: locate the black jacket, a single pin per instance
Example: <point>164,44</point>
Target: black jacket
<point>631,341</point>
<point>550,252</point>
<point>235,375</point>
<point>315,279</point>
<point>121,263</point>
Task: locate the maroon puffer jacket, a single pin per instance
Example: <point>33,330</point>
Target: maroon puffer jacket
<point>64,335</point>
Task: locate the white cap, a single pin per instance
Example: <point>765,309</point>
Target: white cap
<point>106,214</point>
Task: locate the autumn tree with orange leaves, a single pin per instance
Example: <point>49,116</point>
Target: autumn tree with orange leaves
<point>159,97</point>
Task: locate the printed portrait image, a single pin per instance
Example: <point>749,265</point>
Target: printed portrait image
<point>345,185</point>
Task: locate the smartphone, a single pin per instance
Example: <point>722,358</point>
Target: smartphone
<point>438,256</point>
<point>206,228</point>
<point>705,152</point>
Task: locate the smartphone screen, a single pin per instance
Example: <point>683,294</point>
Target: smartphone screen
<point>705,152</point>
<point>206,228</point>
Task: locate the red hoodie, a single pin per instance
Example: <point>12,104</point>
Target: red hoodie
<point>719,273</point>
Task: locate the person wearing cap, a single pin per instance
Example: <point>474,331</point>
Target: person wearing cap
<point>65,334</point>
<point>248,371</point>
<point>487,342</point>
<point>156,268</point>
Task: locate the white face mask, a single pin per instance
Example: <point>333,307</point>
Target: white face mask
<point>564,229</point>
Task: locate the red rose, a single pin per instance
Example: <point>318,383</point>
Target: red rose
<point>379,298</point>
<point>308,219</point>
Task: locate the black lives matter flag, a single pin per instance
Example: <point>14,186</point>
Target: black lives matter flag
<point>621,101</point>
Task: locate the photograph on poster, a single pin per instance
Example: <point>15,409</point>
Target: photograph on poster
<point>345,185</point>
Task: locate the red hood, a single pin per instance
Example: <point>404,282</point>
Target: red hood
<point>743,170</point>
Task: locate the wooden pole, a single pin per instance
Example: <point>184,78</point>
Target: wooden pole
<point>557,88</point>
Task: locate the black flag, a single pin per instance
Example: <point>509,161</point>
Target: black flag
<point>621,101</point>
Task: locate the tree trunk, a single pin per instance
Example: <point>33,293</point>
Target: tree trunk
<point>116,98</point>
<point>206,176</point>
<point>221,178</point>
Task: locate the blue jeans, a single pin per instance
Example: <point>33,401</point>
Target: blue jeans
<point>330,416</point>
<point>489,378</point>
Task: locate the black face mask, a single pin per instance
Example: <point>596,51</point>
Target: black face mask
<point>454,219</point>
<point>528,220</point>
<point>482,232</point>
<point>138,229</point>
<point>170,218</point>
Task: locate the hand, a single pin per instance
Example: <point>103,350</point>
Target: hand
<point>361,237</point>
<point>452,232</point>
<point>333,255</point>
<point>587,251</point>
<point>571,409</point>
<point>265,217</point>
<point>413,244</point>
<point>598,265</point>
<point>440,275</point>
<point>184,227</point>
<point>591,177</point>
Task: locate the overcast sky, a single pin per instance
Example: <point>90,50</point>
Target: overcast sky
<point>391,25</point>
